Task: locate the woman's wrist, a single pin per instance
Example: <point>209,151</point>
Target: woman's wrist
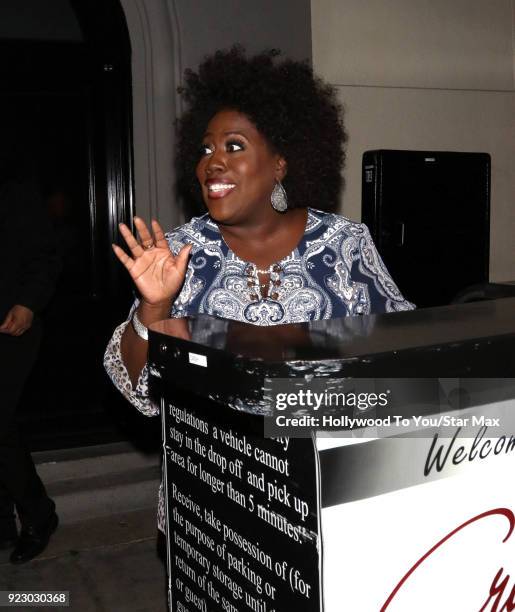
<point>146,314</point>
<point>152,313</point>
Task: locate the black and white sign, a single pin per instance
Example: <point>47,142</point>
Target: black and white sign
<point>242,513</point>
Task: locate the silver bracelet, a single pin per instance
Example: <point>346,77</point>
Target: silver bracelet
<point>138,326</point>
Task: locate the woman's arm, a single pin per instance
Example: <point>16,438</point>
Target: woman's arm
<point>384,294</point>
<point>158,275</point>
<point>134,350</point>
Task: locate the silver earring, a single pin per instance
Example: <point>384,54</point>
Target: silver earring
<point>279,199</point>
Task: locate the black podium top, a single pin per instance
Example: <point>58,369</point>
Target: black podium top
<point>233,359</point>
<point>412,339</point>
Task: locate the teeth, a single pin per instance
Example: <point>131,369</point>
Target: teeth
<point>220,186</point>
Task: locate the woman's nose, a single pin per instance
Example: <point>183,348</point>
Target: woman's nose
<point>216,162</point>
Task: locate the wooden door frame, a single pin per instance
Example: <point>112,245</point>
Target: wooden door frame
<point>111,180</point>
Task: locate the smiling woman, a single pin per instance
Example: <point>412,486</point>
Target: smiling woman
<point>261,147</point>
<point>237,172</point>
<point>236,161</point>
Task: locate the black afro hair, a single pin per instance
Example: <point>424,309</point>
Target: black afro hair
<point>294,110</point>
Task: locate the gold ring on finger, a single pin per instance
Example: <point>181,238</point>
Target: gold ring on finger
<point>148,246</point>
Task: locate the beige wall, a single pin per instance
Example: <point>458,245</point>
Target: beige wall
<point>426,74</point>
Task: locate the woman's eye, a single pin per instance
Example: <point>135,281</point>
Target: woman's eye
<point>205,150</point>
<point>234,146</point>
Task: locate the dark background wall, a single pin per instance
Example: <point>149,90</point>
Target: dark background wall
<point>36,20</point>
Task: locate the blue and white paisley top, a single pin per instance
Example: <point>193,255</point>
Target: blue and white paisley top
<point>334,271</point>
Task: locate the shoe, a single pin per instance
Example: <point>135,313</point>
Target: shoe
<point>33,541</point>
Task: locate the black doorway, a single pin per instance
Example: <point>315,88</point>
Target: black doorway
<point>69,102</point>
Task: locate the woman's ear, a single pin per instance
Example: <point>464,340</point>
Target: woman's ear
<point>281,168</point>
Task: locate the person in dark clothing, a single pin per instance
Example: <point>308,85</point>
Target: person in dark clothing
<point>27,281</point>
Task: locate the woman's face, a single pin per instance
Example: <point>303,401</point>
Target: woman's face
<point>237,170</point>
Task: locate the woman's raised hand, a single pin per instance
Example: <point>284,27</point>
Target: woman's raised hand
<point>156,271</point>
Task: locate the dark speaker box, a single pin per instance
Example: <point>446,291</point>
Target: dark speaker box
<point>429,215</point>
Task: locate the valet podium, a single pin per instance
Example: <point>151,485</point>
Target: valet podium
<point>406,503</point>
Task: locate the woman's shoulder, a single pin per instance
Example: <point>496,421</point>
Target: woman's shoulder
<point>319,220</point>
<point>198,231</point>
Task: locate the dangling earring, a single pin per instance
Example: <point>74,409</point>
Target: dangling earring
<point>279,199</point>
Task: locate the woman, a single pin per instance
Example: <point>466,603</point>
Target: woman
<point>261,141</point>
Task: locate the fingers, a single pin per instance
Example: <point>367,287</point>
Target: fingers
<point>7,326</point>
<point>130,241</point>
<point>20,331</point>
<point>159,235</point>
<point>23,316</point>
<point>158,240</point>
<point>145,236</point>
<point>17,321</point>
<point>123,257</point>
<point>181,259</point>
<point>11,328</point>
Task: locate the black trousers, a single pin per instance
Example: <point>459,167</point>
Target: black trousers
<point>20,485</point>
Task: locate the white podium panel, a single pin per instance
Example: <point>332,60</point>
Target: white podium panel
<point>444,543</point>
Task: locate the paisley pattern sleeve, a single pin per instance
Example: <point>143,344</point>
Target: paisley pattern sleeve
<point>113,363</point>
<point>384,295</point>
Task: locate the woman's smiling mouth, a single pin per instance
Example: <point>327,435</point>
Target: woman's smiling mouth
<point>219,190</point>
